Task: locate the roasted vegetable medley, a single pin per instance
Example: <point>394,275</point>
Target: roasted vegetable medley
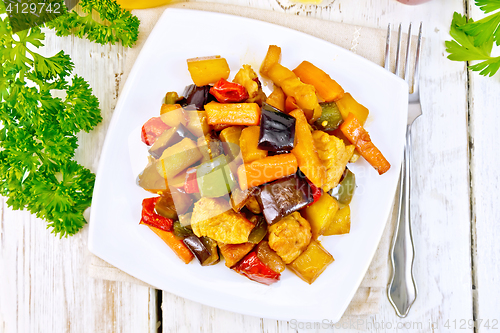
<point>249,177</point>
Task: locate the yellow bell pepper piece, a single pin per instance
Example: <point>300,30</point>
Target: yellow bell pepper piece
<point>341,223</point>
<point>321,214</point>
<point>312,262</point>
<point>347,104</point>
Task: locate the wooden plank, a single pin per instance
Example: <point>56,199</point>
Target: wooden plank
<point>440,192</point>
<point>484,121</point>
<point>440,207</point>
<point>43,279</point>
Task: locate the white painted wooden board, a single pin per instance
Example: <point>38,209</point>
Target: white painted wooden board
<point>440,190</point>
<point>44,285</point>
<point>485,182</point>
<point>43,281</point>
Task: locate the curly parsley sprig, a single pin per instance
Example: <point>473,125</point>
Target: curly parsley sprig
<point>38,131</point>
<point>119,24</point>
<point>473,40</point>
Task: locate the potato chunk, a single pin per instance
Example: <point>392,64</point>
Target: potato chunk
<point>273,56</point>
<point>216,219</point>
<point>290,236</point>
<point>208,69</point>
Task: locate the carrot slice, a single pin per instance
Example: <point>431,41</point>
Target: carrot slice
<point>175,244</point>
<point>233,113</point>
<point>326,87</point>
<point>266,170</point>
<point>290,104</point>
<point>305,151</point>
<point>358,136</point>
<point>277,99</point>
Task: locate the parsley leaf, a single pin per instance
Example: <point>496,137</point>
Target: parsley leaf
<point>488,6</point>
<point>484,29</point>
<point>118,24</point>
<point>38,132</point>
<point>474,40</point>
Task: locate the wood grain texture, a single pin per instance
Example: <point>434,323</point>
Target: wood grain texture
<point>440,202</point>
<point>44,286</point>
<point>484,122</point>
<point>43,282</point>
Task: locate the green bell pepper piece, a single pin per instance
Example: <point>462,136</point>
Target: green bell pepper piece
<point>215,179</point>
<point>346,188</point>
<point>330,118</point>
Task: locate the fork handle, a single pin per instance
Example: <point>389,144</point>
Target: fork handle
<point>402,289</point>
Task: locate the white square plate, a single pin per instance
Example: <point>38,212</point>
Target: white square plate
<point>115,233</point>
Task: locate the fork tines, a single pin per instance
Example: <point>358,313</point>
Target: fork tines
<point>407,66</point>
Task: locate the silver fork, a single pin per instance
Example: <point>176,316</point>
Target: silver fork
<point>402,290</point>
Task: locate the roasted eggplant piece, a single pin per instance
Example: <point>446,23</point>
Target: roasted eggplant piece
<point>168,138</point>
<point>211,245</point>
<point>196,246</point>
<point>277,130</point>
<point>197,96</point>
<point>204,249</point>
<point>175,203</point>
<point>283,197</point>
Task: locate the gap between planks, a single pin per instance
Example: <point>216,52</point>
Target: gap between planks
<point>472,204</point>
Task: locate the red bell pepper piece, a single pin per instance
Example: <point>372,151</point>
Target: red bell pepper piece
<point>150,217</point>
<point>152,129</point>
<point>191,183</point>
<point>316,192</point>
<point>254,269</point>
<point>229,92</point>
